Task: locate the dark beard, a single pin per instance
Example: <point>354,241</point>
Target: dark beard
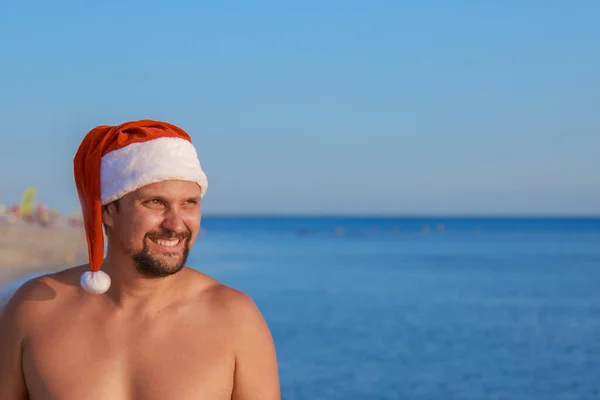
<point>153,268</point>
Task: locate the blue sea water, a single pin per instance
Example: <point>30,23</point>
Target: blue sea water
<point>420,308</point>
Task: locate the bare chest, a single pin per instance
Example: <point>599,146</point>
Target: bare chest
<point>79,361</point>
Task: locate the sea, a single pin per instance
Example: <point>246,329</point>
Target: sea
<point>437,308</point>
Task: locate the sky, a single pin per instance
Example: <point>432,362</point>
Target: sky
<point>317,107</point>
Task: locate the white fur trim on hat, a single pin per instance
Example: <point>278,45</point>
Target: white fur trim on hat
<point>138,164</point>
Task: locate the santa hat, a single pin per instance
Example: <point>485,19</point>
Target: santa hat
<point>115,160</point>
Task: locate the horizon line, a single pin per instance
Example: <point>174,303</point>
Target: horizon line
<point>404,215</point>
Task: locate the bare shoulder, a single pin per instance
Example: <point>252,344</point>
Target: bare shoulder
<point>256,372</point>
<point>18,319</point>
<point>38,296</point>
<point>230,303</point>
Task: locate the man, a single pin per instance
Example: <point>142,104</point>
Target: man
<point>136,323</point>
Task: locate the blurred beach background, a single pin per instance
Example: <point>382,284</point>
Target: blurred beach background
<point>410,192</point>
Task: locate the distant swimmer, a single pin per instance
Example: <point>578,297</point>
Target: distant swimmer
<point>136,323</point>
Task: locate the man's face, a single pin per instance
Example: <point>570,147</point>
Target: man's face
<point>156,226</point>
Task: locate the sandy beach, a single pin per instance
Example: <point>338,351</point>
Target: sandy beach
<point>27,249</point>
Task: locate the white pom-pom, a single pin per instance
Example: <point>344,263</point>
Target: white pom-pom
<point>95,282</point>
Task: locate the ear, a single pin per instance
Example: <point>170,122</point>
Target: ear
<point>108,215</point>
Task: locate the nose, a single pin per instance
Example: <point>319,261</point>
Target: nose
<point>173,221</point>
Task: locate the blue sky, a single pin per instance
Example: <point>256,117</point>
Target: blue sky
<point>377,107</point>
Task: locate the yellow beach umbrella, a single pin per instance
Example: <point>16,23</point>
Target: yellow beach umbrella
<point>28,201</point>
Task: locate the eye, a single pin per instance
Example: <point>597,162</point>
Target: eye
<point>154,202</point>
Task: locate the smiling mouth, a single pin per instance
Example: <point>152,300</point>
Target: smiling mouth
<point>167,242</point>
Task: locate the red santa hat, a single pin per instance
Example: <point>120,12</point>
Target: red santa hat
<point>115,160</point>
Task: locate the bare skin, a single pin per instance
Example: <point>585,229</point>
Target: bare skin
<point>183,336</point>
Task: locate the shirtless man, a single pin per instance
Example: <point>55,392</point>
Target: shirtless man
<point>145,326</point>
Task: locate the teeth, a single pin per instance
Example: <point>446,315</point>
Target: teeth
<point>167,243</point>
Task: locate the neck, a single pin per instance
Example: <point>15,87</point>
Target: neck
<point>130,289</point>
